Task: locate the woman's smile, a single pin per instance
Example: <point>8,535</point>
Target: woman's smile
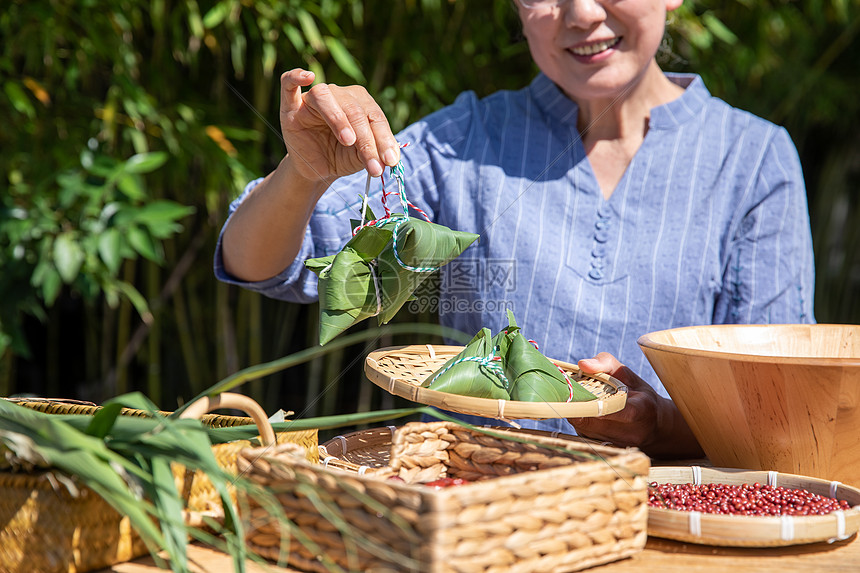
<point>597,50</point>
<point>587,51</point>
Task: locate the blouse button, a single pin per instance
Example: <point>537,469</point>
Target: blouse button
<point>595,274</point>
<point>601,236</point>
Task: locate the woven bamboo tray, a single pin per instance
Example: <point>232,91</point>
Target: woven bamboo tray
<point>748,531</point>
<point>402,369</point>
<point>545,505</point>
<point>51,523</point>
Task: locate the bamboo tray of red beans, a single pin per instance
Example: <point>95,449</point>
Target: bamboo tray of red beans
<point>741,508</point>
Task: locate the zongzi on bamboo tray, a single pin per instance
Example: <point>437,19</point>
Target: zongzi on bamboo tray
<point>506,366</point>
<point>502,376</point>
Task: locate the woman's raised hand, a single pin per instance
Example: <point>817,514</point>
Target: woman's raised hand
<point>331,131</point>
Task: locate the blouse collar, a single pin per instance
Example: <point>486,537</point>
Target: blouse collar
<point>555,104</point>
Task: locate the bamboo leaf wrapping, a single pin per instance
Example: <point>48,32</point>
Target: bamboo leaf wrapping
<point>366,279</point>
<point>346,282</point>
<point>533,377</point>
<point>420,244</point>
<point>471,378</point>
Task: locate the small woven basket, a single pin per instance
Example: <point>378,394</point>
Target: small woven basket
<point>536,504</point>
<point>361,451</point>
<point>50,523</point>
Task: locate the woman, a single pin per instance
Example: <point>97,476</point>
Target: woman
<point>612,200</point>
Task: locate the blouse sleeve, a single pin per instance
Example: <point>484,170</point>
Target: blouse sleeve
<point>769,276</point>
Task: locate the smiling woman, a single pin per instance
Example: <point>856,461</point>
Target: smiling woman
<point>601,55</point>
<point>627,200</point>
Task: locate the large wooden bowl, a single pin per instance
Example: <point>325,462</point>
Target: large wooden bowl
<point>767,397</point>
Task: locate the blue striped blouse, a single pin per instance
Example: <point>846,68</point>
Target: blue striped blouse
<point>709,224</point>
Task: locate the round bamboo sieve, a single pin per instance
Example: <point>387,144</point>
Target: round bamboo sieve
<point>402,369</point>
<point>749,531</point>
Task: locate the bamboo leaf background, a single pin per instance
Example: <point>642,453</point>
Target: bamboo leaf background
<point>111,107</point>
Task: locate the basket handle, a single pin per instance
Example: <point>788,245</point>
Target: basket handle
<point>236,401</point>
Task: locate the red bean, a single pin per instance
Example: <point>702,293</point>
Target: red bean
<point>446,482</point>
<point>747,499</point>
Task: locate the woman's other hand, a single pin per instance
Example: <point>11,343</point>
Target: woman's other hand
<point>331,130</point>
<point>648,421</point>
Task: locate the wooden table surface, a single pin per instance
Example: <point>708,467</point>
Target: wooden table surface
<point>659,556</point>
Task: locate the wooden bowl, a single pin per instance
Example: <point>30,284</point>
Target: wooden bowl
<point>767,397</point>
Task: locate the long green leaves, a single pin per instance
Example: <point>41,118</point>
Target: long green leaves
<point>260,370</point>
<point>130,467</point>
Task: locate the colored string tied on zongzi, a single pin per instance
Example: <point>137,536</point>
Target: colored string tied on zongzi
<point>385,261</point>
<point>490,362</point>
<point>477,371</point>
<point>398,220</point>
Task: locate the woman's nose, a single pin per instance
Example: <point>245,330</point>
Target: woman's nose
<point>582,13</point>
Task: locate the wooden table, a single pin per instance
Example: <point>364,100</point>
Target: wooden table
<point>659,556</point>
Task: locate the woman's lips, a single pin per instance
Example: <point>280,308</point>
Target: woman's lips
<point>589,51</point>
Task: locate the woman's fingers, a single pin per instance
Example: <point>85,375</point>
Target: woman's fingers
<point>386,146</point>
<point>636,423</point>
<point>292,83</point>
<point>356,106</point>
<point>356,121</point>
<point>332,110</point>
<point>343,127</point>
<point>607,363</point>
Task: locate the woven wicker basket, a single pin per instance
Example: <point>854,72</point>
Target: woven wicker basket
<point>402,369</point>
<point>542,504</point>
<point>750,531</point>
<point>48,528</point>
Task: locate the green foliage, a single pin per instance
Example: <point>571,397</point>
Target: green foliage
<point>794,63</point>
<point>76,229</point>
<point>791,62</point>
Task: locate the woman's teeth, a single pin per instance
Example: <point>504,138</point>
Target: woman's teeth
<point>592,49</point>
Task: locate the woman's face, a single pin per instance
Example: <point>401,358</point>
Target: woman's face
<point>594,49</point>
